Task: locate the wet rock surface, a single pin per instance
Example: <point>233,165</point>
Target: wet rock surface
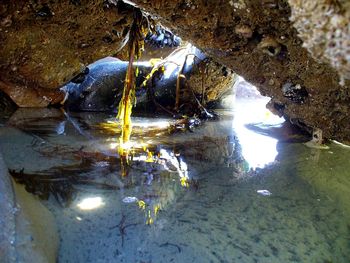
<point>324,28</point>
<point>7,106</point>
<point>7,220</point>
<point>22,236</point>
<point>99,87</point>
<point>44,44</point>
<point>162,37</point>
<point>257,40</point>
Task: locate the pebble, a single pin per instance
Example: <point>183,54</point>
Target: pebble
<point>130,199</point>
<point>264,192</point>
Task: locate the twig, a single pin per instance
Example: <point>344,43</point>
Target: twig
<point>122,228</point>
<point>180,75</point>
<point>171,244</point>
<point>199,104</point>
<point>204,70</point>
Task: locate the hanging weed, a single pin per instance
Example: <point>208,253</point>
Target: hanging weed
<point>135,40</point>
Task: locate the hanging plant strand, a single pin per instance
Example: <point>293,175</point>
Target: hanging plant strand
<point>136,35</point>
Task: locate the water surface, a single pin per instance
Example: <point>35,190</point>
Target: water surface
<point>220,215</point>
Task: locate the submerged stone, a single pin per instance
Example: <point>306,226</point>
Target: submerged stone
<point>264,192</point>
<point>130,199</point>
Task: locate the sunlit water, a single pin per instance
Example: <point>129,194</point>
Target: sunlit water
<point>223,215</point>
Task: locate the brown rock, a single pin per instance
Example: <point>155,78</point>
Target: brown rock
<point>214,32</point>
<point>45,44</point>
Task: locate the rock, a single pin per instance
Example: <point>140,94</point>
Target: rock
<point>274,51</point>
<point>285,132</point>
<point>162,37</point>
<point>33,241</point>
<point>7,219</point>
<point>31,97</point>
<point>22,236</point>
<point>102,88</point>
<point>49,42</point>
<point>295,93</point>
<point>44,52</point>
<point>7,106</point>
<point>324,28</point>
<point>99,87</point>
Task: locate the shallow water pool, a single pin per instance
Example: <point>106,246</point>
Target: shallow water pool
<point>296,209</point>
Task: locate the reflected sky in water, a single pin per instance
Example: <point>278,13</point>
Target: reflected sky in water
<point>257,149</point>
<point>90,203</point>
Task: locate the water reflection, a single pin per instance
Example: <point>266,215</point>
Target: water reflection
<point>90,203</point>
<point>257,149</point>
<point>294,211</point>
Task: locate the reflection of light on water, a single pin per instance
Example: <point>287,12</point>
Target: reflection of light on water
<point>139,149</point>
<point>145,124</point>
<point>90,203</point>
<point>113,145</point>
<point>341,144</point>
<point>128,145</point>
<point>141,158</point>
<point>154,124</point>
<point>139,126</point>
<point>258,150</point>
<point>171,162</point>
<point>178,163</point>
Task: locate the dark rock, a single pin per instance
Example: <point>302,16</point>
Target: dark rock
<point>107,39</point>
<point>101,87</point>
<point>7,106</point>
<point>100,90</point>
<point>162,37</point>
<point>285,132</point>
<point>75,2</point>
<point>44,11</point>
<point>81,76</point>
<point>295,93</point>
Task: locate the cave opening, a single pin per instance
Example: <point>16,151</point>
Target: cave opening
<point>256,126</point>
